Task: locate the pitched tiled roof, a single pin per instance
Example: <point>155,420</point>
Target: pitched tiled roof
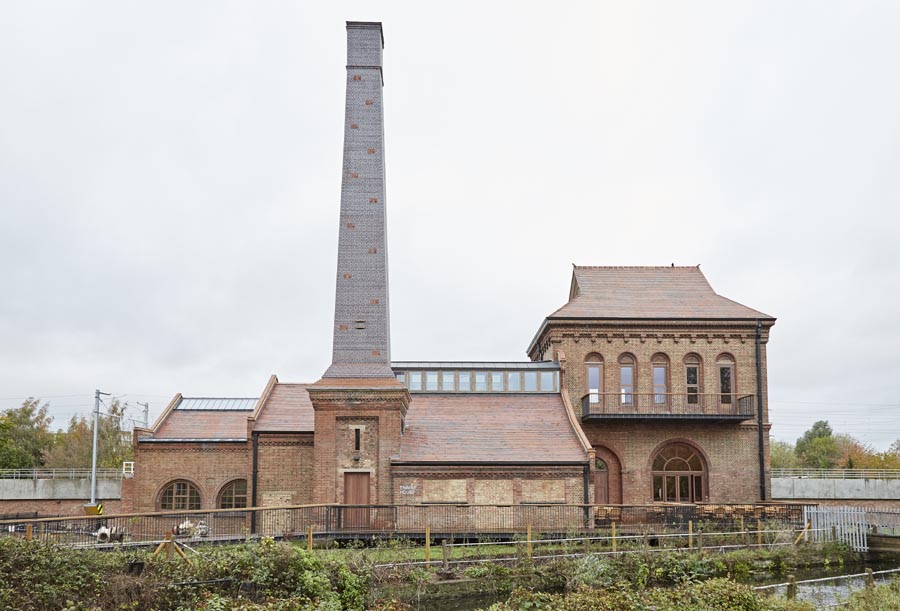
<point>205,425</point>
<point>287,409</point>
<point>648,292</point>
<point>489,427</point>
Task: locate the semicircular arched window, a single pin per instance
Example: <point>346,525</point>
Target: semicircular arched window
<point>234,495</point>
<point>179,495</point>
<point>679,474</point>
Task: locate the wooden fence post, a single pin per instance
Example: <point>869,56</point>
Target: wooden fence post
<point>690,534</point>
<point>870,579</point>
<point>700,540</point>
<point>309,538</point>
<point>743,534</point>
<point>614,538</point>
<point>758,531</point>
<point>29,532</point>
<point>792,588</point>
<point>427,546</point>
<point>529,541</point>
<point>446,553</point>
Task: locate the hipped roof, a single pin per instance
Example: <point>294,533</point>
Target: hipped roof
<point>648,293</point>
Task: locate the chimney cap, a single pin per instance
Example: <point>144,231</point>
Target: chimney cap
<point>367,25</point>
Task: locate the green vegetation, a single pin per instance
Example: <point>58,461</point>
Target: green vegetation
<point>820,448</point>
<point>270,576</point>
<point>26,441</point>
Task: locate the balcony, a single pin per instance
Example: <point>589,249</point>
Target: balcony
<point>656,406</point>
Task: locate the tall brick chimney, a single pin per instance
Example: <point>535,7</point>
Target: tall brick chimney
<point>362,345</point>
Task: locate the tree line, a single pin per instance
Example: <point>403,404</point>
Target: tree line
<point>821,448</point>
<point>28,442</point>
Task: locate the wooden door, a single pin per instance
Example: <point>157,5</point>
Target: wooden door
<point>356,492</point>
<point>601,486</point>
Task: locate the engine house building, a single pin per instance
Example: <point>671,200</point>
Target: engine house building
<point>645,386</point>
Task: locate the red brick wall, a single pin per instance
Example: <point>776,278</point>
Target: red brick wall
<point>285,468</point>
<point>209,466</point>
<point>337,412</point>
<point>731,448</point>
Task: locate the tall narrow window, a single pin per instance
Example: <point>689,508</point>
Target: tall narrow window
<point>660,379</point>
<point>593,365</point>
<point>725,364</point>
<point>531,383</point>
<point>626,379</point>
<point>692,378</point>
<point>357,439</point>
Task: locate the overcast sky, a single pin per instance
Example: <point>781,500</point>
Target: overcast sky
<point>170,183</point>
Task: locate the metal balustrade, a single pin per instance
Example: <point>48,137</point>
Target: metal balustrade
<point>632,405</point>
<point>105,473</point>
<point>368,521</point>
<point>838,473</point>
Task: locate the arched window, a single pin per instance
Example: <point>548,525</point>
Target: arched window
<point>234,495</point>
<point>627,379</point>
<point>693,371</point>
<point>179,495</point>
<point>679,474</point>
<point>660,364</point>
<point>727,386</point>
<point>593,365</point>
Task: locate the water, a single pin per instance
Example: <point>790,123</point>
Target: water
<point>823,595</point>
<point>834,592</point>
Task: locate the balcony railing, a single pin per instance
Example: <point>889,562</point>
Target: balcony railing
<point>624,405</point>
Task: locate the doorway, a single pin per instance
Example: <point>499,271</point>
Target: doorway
<point>356,492</point>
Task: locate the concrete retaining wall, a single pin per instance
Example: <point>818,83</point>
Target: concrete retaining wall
<point>790,488</point>
<point>57,489</point>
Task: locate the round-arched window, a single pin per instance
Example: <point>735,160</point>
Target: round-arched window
<point>593,365</point>
<point>234,495</point>
<point>679,474</point>
<point>179,495</point>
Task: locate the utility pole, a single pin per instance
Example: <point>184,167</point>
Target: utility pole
<point>92,507</point>
<point>146,407</point>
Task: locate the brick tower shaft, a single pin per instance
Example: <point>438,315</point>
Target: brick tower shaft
<point>361,314</point>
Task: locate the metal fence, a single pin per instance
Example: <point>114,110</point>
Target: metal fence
<point>104,473</point>
<point>377,521</point>
<point>838,473</point>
